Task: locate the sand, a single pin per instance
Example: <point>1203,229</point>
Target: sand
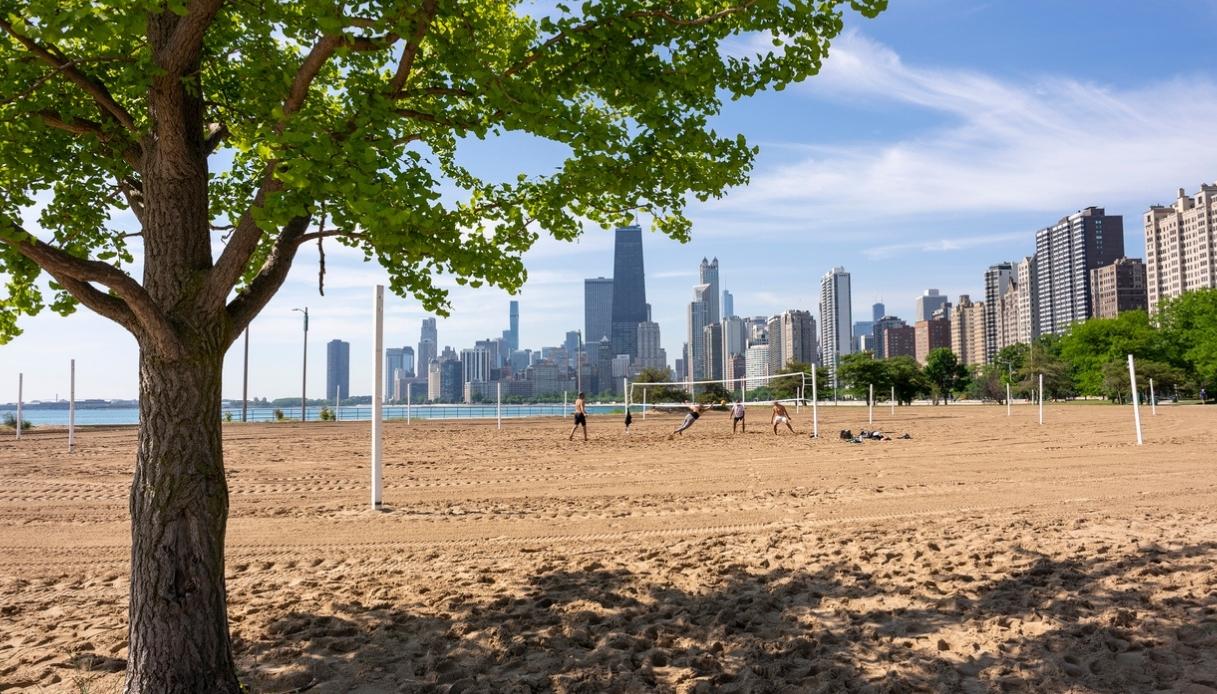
<point>985,554</point>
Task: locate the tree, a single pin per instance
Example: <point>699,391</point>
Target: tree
<point>664,392</point>
<point>1089,345</point>
<point>988,382</point>
<point>262,127</point>
<point>1189,326</point>
<point>1042,359</point>
<point>945,373</point>
<point>788,388</point>
<point>858,371</point>
<point>1116,383</point>
<point>713,393</point>
<point>906,377</point>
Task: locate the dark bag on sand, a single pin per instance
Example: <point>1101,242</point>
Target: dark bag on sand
<point>846,434</point>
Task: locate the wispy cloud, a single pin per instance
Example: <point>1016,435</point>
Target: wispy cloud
<point>942,245</point>
<point>1049,144</point>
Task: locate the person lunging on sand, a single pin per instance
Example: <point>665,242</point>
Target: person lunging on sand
<point>580,418</point>
<point>629,419</point>
<point>737,417</point>
<point>780,417</point>
<point>695,411</point>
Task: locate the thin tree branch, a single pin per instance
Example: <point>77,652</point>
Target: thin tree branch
<point>216,134</point>
<point>408,54</point>
<point>99,302</point>
<point>130,153</point>
<point>270,277</point>
<point>89,85</point>
<point>187,39</point>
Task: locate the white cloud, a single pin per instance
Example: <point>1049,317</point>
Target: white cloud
<point>1052,144</point>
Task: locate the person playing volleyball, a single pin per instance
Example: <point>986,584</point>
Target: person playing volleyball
<point>695,411</point>
<point>737,417</point>
<point>781,416</point>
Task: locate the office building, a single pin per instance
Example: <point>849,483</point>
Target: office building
<point>862,328</point>
<point>998,280</point>
<point>650,354</point>
<point>799,337</point>
<point>880,339</point>
<point>1065,253</point>
<point>1181,246</point>
<point>602,366</point>
<point>629,290</point>
<point>395,360</point>
<point>475,365</point>
<point>712,352</point>
<point>597,309</point>
<point>1118,287</point>
<point>428,344</point>
<point>708,275</point>
<point>337,369</point>
<point>929,335</point>
<point>728,304</point>
<point>836,319</point>
<point>756,365</point>
<point>452,386</point>
<point>877,311</point>
<point>572,344</point>
<point>926,304</point>
<point>777,360</point>
<point>900,341</point>
<point>511,336</point>
<point>696,320</point>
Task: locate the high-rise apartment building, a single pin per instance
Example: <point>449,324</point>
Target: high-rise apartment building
<point>929,335</point>
<point>836,319</point>
<point>697,319</point>
<point>735,341</point>
<point>998,280</point>
<point>337,369</point>
<point>650,354</point>
<point>963,315</point>
<point>1065,253</point>
<point>799,337</point>
<point>900,341</point>
<point>428,344</point>
<point>629,290</point>
<point>1118,287</point>
<point>728,304</point>
<point>777,360</point>
<point>708,275</point>
<point>1181,246</point>
<point>926,304</point>
<point>712,352</point>
<point>597,309</point>
<point>756,365</point>
<point>1026,277</point>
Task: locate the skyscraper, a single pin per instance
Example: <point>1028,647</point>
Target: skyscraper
<point>880,331</point>
<point>428,344</point>
<point>712,351</point>
<point>395,361</point>
<point>337,369</point>
<point>773,328</point>
<point>999,279</point>
<point>597,309</point>
<point>877,311</point>
<point>728,304</point>
<point>1181,245</point>
<point>1118,287</point>
<point>927,303</point>
<point>836,318</point>
<point>735,340</point>
<point>475,365</point>
<point>629,290</point>
<point>697,318</point>
<point>650,354</point>
<point>799,337</point>
<point>963,317</point>
<point>708,275</point>
<point>571,345</point>
<point>1065,253</point>
<point>512,334</point>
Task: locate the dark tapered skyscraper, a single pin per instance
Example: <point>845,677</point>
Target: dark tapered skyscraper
<point>629,290</point>
<point>337,369</point>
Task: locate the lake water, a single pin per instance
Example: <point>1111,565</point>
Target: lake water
<point>353,413</point>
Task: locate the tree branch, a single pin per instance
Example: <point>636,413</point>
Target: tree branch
<point>187,39</point>
<point>248,303</point>
<point>131,153</point>
<point>406,64</point>
<point>89,85</point>
<point>73,272</point>
<point>99,302</point>
<point>216,134</point>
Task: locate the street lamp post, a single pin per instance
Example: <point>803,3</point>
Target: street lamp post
<point>304,369</point>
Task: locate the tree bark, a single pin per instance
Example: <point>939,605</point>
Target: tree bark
<point>178,625</point>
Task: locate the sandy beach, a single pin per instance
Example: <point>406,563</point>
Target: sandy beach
<point>985,553</point>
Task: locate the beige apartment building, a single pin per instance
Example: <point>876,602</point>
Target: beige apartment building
<point>968,330</point>
<point>1181,245</point>
<point>1118,287</point>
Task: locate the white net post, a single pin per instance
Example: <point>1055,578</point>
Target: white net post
<point>20,386</point>
<point>1136,400</point>
<point>498,404</point>
<point>815,405</point>
<point>378,385</point>
<point>625,390</point>
<point>72,406</point>
<point>408,408</point>
<point>1007,398</point>
<point>337,399</point>
<point>870,405</point>
<point>1153,401</point>
<point>892,400</point>
<point>564,403</point>
<point>1041,398</point>
<point>644,403</point>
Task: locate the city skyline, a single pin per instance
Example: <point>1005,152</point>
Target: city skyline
<point>923,147</point>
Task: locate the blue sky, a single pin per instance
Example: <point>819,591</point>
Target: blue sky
<point>937,139</point>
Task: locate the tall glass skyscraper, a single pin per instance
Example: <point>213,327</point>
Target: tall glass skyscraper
<point>597,309</point>
<point>428,345</point>
<point>629,290</point>
<point>708,275</point>
<point>337,369</point>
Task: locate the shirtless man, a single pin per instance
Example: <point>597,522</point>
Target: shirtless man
<point>781,416</point>
<point>695,411</point>
<point>580,418</point>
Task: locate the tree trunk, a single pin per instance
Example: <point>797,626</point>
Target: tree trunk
<point>178,623</point>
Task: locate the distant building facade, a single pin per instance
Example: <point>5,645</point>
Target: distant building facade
<point>1065,253</point>
<point>836,318</point>
<point>1181,246</point>
<point>900,341</point>
<point>337,369</point>
<point>926,304</point>
<point>1118,287</point>
<point>930,335</point>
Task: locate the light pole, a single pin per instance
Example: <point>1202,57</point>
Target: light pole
<point>304,369</point>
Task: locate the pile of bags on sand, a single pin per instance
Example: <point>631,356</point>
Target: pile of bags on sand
<point>848,436</point>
